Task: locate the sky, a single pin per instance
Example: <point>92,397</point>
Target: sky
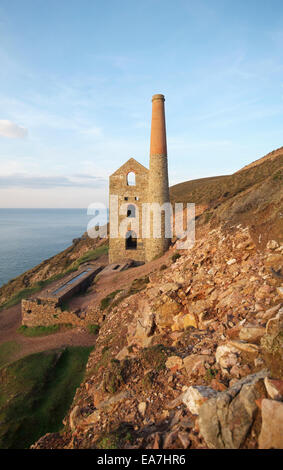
<point>77,77</point>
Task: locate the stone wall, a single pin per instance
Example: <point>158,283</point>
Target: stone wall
<point>151,187</point>
<point>130,196</point>
<point>46,308</point>
<point>38,312</point>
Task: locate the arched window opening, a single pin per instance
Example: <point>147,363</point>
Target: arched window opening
<point>131,211</point>
<point>131,179</point>
<point>131,240</point>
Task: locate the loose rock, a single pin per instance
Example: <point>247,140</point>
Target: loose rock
<point>271,435</point>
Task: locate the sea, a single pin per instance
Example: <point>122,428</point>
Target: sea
<point>29,236</point>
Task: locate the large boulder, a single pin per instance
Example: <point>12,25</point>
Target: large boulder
<point>141,330</point>
<point>225,419</point>
<point>272,345</point>
<point>166,312</point>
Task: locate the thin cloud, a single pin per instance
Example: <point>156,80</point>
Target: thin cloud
<point>20,180</point>
<point>92,131</point>
<point>11,130</point>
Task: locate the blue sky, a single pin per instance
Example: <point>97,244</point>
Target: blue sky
<point>77,76</point>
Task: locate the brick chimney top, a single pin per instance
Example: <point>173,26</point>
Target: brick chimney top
<point>158,97</point>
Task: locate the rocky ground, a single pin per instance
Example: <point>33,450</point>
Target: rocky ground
<point>192,358</point>
<point>189,351</point>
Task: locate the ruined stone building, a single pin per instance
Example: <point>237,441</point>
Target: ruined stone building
<point>133,185</point>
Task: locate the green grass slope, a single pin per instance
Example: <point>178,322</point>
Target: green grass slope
<point>220,188</point>
<point>253,197</point>
<point>36,392</point>
<point>7,350</point>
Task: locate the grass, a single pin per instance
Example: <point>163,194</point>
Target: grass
<point>7,350</point>
<point>175,256</point>
<point>32,331</point>
<point>114,376</point>
<point>210,374</point>
<point>105,357</point>
<point>27,292</point>
<point>103,363</point>
<point>213,189</point>
<point>106,301</point>
<point>64,306</point>
<point>36,393</point>
<point>278,176</point>
<point>93,329</point>
<point>147,381</point>
<point>24,293</point>
<point>155,356</point>
<point>90,255</point>
<point>117,438</point>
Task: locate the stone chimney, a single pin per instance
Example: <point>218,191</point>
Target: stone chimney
<point>158,187</point>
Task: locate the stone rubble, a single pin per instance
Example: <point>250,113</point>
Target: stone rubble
<point>197,354</point>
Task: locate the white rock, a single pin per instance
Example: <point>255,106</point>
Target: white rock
<point>272,245</point>
<point>231,261</point>
<point>196,395</point>
<point>226,356</point>
<point>142,408</point>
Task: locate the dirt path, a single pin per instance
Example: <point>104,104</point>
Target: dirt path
<point>10,319</point>
<point>116,281</point>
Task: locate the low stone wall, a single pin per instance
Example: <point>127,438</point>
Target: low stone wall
<point>46,309</point>
<point>36,312</point>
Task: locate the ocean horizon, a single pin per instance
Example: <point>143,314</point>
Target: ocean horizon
<point>30,236</point>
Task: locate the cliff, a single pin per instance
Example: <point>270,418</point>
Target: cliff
<point>201,337</point>
<point>191,336</point>
<point>205,329</point>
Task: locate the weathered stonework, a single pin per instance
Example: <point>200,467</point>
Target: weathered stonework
<point>48,307</point>
<point>151,186</point>
<point>36,312</point>
<point>129,196</point>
